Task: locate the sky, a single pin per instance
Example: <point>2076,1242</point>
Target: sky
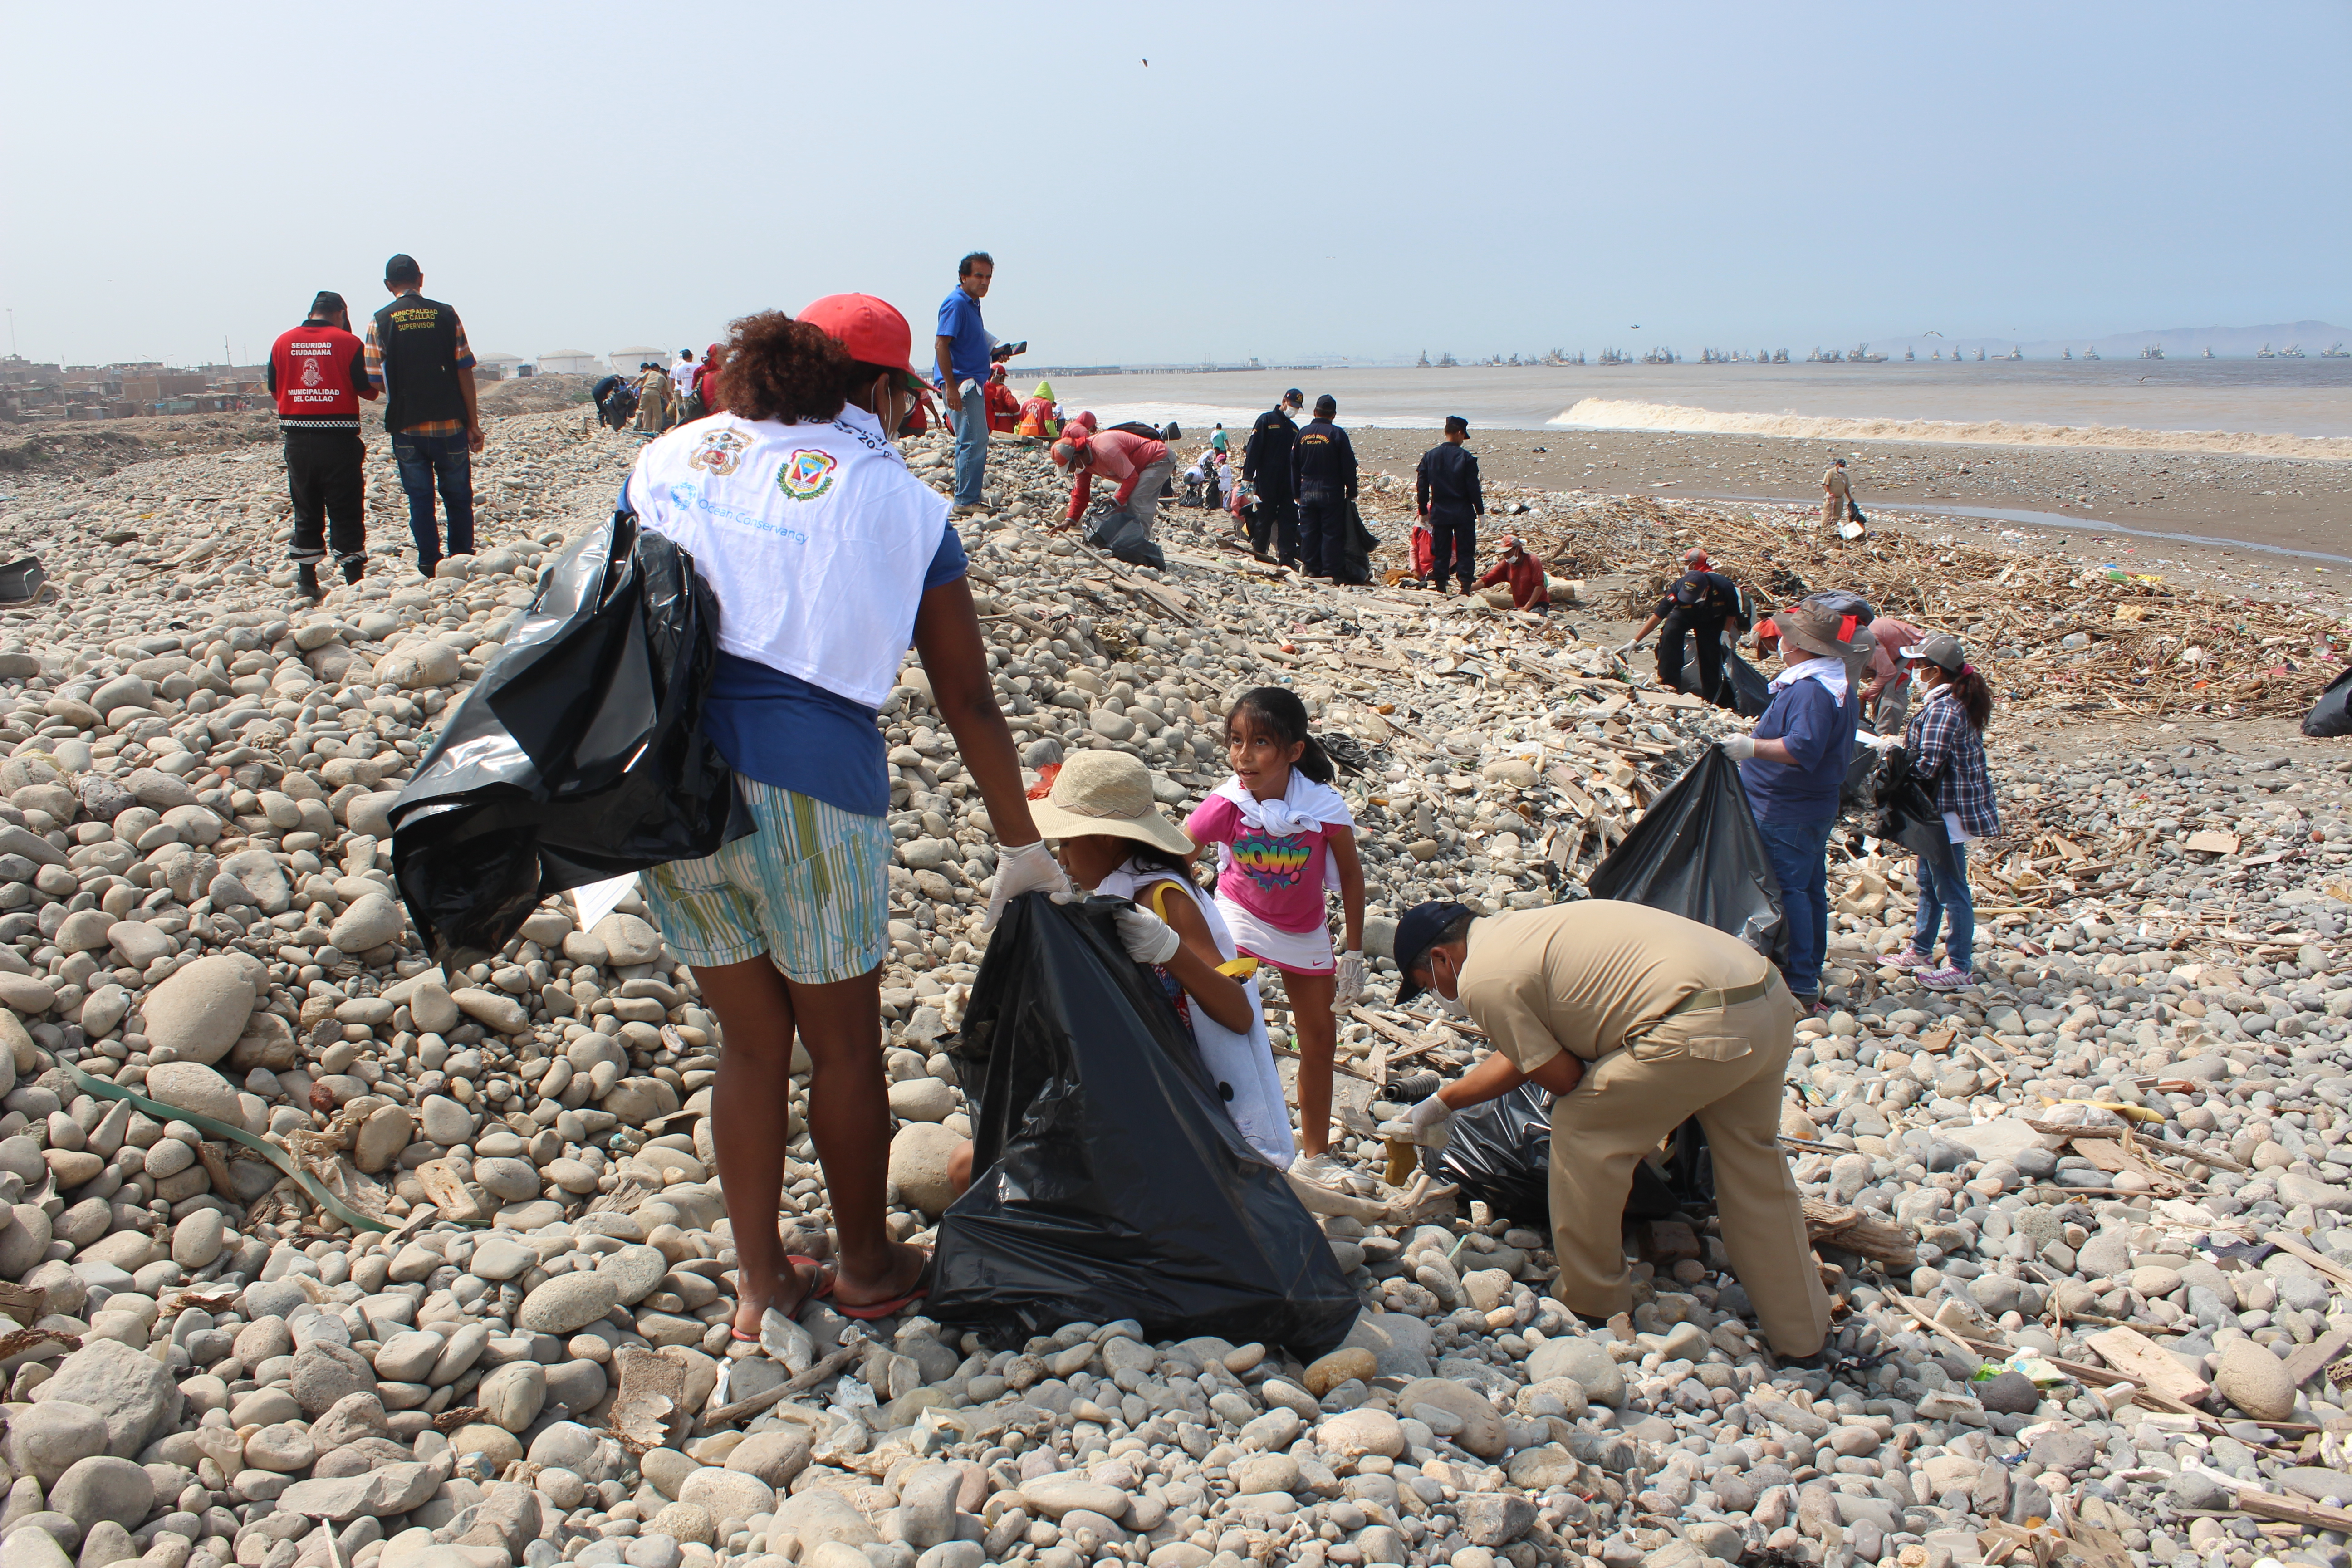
<point>1280,181</point>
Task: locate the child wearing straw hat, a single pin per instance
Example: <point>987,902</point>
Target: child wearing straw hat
<point>1115,842</point>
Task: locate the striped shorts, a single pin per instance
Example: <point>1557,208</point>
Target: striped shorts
<point>811,889</point>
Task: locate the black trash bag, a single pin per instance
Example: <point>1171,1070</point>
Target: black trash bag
<point>1904,812</point>
<point>1750,692</point>
<point>1356,547</point>
<point>1118,532</point>
<point>2332,714</point>
<point>1108,1182</point>
<point>579,754</point>
<point>1501,1153</point>
<point>1138,427</point>
<point>1696,853</point>
<point>1860,790</point>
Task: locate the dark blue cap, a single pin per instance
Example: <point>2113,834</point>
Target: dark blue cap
<point>1422,926</point>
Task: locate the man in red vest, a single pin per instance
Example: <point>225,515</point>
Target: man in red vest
<point>318,372</point>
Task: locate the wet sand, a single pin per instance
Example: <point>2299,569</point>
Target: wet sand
<point>2289,504</point>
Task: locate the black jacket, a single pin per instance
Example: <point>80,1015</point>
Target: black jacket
<point>1718,596</point>
<point>1265,461</point>
<point>1447,482</point>
<point>1322,457</point>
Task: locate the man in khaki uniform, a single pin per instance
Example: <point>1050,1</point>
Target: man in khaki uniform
<point>1837,493</point>
<point>1634,1018</point>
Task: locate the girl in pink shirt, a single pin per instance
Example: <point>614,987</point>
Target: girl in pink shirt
<point>1283,837</point>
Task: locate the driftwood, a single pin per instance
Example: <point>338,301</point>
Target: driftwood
<point>1858,1230</point>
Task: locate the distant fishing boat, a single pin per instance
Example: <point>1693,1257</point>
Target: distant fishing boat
<point>1980,356</point>
<point>2334,351</point>
<point>2090,353</point>
<point>2209,351</point>
<point>2066,354</point>
<point>1861,356</point>
<point>1908,354</point>
<point>2265,352</point>
<point>2293,350</point>
<point>2153,351</point>
<point>2014,352</point>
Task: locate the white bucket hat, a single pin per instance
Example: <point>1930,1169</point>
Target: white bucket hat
<point>1109,792</point>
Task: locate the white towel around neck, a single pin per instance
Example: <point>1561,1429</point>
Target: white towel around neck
<point>1304,806</point>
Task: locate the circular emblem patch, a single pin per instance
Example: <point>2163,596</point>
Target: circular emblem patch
<point>807,474</point>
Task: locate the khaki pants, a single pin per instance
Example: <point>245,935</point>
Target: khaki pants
<point>1725,1066</point>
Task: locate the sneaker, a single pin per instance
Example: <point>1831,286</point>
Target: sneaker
<point>1320,1169</point>
<point>1947,979</point>
<point>305,581</point>
<point>1909,958</point>
<point>966,508</point>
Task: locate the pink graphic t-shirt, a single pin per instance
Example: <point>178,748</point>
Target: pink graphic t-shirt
<point>1278,880</point>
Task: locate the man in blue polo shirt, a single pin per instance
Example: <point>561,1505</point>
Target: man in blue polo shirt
<point>962,347</point>
<point>1794,766</point>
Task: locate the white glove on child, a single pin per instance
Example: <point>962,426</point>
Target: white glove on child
<point>1147,938</point>
<point>1738,748</point>
<point>1350,987</point>
<point>1029,868</point>
<point>1429,1125</point>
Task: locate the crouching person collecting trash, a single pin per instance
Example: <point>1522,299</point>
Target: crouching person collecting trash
<point>828,558</point>
<point>1634,1019</point>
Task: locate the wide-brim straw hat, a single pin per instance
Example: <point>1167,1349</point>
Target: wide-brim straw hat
<point>1107,793</point>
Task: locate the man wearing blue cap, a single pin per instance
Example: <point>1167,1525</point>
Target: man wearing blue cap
<point>1634,1019</point>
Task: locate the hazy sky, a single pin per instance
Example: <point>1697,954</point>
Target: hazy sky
<point>1282,180</point>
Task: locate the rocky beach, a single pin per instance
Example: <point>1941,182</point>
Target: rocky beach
<point>2085,1223</point>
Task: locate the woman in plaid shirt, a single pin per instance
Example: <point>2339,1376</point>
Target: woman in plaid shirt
<point>1946,745</point>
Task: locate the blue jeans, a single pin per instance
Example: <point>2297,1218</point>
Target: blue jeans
<point>1800,855</point>
<point>1943,891</point>
<point>970,443</point>
<point>423,461</point>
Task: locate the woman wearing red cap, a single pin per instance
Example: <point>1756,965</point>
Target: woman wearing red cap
<point>828,558</point>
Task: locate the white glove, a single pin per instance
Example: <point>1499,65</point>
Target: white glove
<point>1029,868</point>
<point>1147,938</point>
<point>1622,650</point>
<point>1738,748</point>
<point>1429,1125</point>
<point>1350,988</point>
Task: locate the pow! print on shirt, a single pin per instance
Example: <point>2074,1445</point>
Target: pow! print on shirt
<point>1272,863</point>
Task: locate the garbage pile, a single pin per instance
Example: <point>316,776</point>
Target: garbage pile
<point>2085,1223</point>
<point>2057,638</point>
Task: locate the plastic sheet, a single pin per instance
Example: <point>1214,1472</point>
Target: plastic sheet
<point>2332,714</point>
<point>1696,853</point>
<point>578,756</point>
<point>1107,1181</point>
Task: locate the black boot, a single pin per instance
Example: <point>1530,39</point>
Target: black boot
<point>305,581</point>
<point>354,568</point>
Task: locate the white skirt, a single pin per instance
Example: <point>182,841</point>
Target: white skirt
<point>1292,951</point>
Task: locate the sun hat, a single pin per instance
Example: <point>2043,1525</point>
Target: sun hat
<point>1107,793</point>
<point>872,330</point>
<point>1943,650</point>
<point>1817,627</point>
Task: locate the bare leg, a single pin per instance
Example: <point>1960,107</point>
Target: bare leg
<point>849,1118</point>
<point>750,1117</point>
<point>757,1010</point>
<point>1319,1037</point>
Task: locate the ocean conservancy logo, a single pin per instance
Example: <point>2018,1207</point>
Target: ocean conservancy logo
<point>807,474</point>
<point>719,453</point>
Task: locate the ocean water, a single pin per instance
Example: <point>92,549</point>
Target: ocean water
<point>2284,407</point>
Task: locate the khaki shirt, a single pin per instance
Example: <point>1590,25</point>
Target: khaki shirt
<point>1586,978</point>
<point>1835,482</point>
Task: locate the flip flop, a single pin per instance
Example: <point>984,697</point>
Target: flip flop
<point>818,1292</point>
<point>871,1311</point>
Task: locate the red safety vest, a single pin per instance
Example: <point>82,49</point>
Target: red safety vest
<point>312,366</point>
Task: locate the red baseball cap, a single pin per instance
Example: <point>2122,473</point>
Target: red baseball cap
<point>872,330</point>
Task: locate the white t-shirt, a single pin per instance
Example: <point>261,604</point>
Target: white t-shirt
<point>682,376</point>
<point>814,537</point>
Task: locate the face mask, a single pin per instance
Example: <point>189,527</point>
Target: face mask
<point>1453,1007</point>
